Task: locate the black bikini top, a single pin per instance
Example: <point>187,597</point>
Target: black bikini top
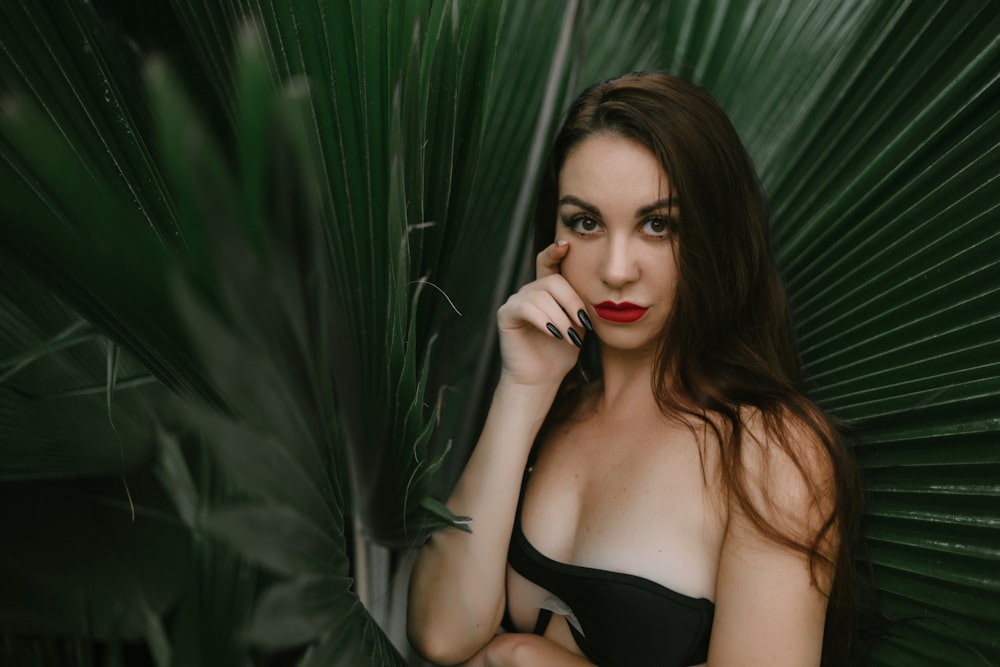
<point>623,619</point>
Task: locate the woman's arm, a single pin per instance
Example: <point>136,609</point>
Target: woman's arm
<point>457,589</point>
<point>770,609</point>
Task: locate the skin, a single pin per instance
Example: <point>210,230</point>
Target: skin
<point>619,486</point>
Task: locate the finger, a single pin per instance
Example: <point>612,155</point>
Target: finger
<point>566,297</point>
<point>539,310</point>
<point>548,260</point>
<point>557,323</point>
<point>521,309</point>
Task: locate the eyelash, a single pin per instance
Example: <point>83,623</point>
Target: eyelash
<point>669,226</point>
<point>573,222</point>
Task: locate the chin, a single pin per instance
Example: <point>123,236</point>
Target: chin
<point>620,340</point>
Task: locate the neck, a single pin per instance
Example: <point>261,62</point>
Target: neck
<point>627,386</point>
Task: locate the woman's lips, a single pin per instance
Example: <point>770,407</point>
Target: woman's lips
<point>619,312</point>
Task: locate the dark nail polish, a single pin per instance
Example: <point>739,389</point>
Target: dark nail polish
<point>575,337</point>
<point>552,330</point>
<point>584,320</point>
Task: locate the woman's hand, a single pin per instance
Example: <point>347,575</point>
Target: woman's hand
<point>540,326</point>
<point>524,650</point>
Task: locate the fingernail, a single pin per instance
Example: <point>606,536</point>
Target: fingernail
<point>561,242</point>
<point>552,330</point>
<point>584,320</point>
<point>573,336</point>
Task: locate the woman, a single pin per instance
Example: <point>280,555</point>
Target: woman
<point>685,503</point>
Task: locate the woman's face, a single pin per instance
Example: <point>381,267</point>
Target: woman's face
<point>617,211</point>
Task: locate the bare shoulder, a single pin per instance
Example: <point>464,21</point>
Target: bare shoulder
<point>789,471</point>
<point>771,598</point>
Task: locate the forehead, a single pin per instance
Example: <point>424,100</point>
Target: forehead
<point>613,169</point>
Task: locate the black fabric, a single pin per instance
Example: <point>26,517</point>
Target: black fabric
<point>626,619</point>
<point>542,624</point>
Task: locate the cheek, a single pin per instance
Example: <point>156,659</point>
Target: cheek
<point>663,263</point>
<point>577,264</point>
<point>659,272</point>
<point>570,271</point>
<point>669,282</point>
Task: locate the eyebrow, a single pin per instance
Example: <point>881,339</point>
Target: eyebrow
<point>570,199</point>
<point>666,202</point>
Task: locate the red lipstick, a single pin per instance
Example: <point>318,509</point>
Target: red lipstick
<point>623,312</point>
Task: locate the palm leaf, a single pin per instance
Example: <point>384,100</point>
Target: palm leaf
<point>266,356</point>
<point>875,132</point>
<point>374,74</point>
<point>52,361</point>
<point>77,169</point>
<point>91,573</point>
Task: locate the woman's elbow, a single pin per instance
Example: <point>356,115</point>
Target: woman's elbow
<point>442,641</point>
<point>446,627</point>
<point>435,645</point>
<point>427,630</point>
<point>422,638</point>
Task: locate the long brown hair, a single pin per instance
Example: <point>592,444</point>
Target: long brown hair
<point>730,344</point>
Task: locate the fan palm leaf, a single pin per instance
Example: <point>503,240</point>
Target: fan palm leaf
<point>875,130</point>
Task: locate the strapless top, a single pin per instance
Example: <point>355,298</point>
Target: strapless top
<point>617,618</point>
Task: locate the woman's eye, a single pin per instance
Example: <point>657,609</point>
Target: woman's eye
<point>658,226</point>
<point>582,224</point>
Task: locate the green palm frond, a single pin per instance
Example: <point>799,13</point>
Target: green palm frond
<point>77,172</point>
<point>75,566</point>
<point>264,342</point>
<point>395,106</point>
<point>875,129</point>
<point>53,361</point>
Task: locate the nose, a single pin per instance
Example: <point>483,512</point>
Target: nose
<point>620,264</point>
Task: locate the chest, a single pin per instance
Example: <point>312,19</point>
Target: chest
<point>643,502</point>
